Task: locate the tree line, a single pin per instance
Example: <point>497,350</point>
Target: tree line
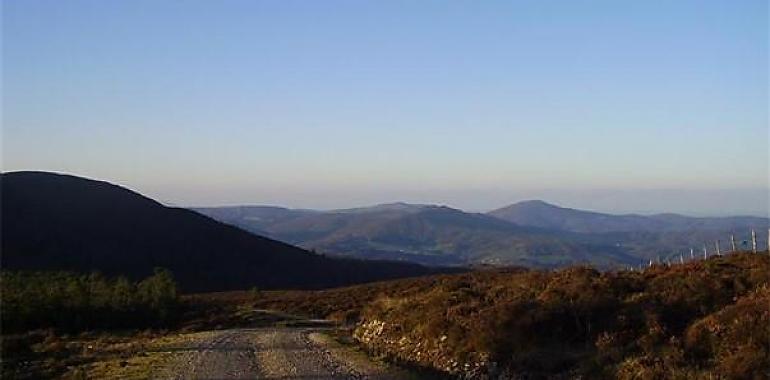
<point>75,302</point>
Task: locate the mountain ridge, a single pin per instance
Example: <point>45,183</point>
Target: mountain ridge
<point>533,233</point>
<point>54,221</point>
<point>433,234</point>
<point>546,215</point>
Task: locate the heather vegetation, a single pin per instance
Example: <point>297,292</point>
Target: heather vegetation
<point>705,319</point>
<point>75,302</point>
<point>699,320</point>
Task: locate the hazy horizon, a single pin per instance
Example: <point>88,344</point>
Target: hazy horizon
<point>637,107</point>
<point>607,202</point>
<point>699,203</point>
<point>685,202</point>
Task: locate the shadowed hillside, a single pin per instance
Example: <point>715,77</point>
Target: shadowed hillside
<point>62,222</point>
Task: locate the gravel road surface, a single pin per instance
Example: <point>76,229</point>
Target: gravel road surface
<point>273,353</point>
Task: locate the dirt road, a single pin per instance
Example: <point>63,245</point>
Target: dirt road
<point>273,353</point>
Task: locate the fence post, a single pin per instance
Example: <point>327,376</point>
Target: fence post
<point>732,243</point>
<point>692,253</point>
<point>705,252</point>
<point>753,241</point>
<point>719,252</point>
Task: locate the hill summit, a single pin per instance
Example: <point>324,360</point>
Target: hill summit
<point>537,213</point>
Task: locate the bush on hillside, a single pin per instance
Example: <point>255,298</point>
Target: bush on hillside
<point>74,302</point>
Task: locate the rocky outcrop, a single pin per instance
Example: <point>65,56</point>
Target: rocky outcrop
<point>388,339</point>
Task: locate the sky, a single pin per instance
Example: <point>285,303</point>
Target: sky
<point>617,106</point>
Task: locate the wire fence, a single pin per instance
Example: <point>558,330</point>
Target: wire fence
<point>751,245</point>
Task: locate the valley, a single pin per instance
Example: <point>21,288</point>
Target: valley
<point>529,233</point>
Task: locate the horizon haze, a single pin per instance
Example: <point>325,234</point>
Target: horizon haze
<point>647,107</point>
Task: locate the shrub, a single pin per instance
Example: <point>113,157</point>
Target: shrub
<point>74,302</point>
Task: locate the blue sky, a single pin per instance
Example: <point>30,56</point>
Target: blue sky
<point>613,105</point>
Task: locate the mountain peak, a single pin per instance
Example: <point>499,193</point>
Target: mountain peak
<point>383,207</point>
<point>534,203</point>
<point>531,205</point>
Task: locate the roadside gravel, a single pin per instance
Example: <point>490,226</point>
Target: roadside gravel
<point>273,353</point>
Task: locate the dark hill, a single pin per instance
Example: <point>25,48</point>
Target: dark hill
<point>62,222</point>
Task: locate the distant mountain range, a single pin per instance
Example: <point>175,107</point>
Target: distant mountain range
<point>428,234</point>
<point>541,214</point>
<point>532,233</point>
<point>62,222</point>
